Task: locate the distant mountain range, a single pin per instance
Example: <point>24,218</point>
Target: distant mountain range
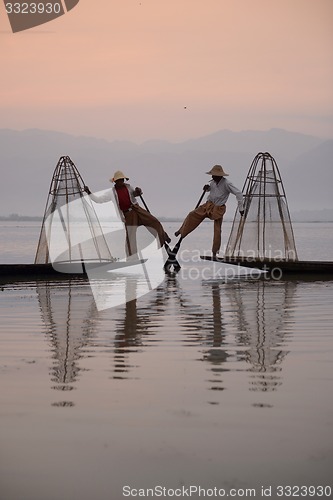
<point>170,174</point>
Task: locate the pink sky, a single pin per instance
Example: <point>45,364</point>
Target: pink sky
<point>125,69</point>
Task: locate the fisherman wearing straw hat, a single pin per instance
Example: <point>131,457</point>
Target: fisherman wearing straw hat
<point>130,211</point>
<point>219,190</point>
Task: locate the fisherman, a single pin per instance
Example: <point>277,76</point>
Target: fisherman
<point>214,208</point>
<point>130,211</point>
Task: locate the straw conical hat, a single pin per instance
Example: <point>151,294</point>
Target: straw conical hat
<point>118,175</point>
<point>217,170</point>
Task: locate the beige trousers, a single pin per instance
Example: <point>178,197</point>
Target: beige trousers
<point>140,217</point>
<point>194,218</point>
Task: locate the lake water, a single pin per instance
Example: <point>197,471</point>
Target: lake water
<point>201,383</point>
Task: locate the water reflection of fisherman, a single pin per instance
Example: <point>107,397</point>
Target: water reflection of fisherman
<point>129,329</point>
<point>130,211</point>
<point>216,355</point>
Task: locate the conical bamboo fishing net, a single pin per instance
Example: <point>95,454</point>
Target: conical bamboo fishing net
<point>70,231</point>
<point>265,231</point>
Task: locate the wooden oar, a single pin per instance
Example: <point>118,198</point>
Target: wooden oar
<point>172,261</point>
<point>144,203</point>
<point>171,257</point>
<point>200,200</point>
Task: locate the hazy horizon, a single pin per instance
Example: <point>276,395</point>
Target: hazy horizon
<point>170,174</point>
<point>142,142</point>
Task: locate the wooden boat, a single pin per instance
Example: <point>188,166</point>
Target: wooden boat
<point>61,271</point>
<point>30,270</point>
<point>278,266</point>
<point>14,272</point>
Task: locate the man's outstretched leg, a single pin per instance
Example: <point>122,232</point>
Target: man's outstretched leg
<point>192,221</point>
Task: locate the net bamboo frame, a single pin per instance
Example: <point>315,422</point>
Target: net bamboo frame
<point>265,230</point>
<point>70,229</point>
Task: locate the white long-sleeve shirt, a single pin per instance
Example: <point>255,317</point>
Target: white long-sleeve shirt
<point>219,193</point>
<point>111,195</point>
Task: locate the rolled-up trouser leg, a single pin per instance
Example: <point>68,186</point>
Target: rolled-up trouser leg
<point>152,224</point>
<point>192,220</point>
<point>131,247</point>
<point>217,235</point>
<point>217,216</point>
<point>131,225</point>
<point>140,217</point>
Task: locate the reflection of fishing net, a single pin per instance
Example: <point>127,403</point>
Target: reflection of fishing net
<point>71,231</point>
<point>265,230</point>
<point>263,312</point>
<point>69,319</point>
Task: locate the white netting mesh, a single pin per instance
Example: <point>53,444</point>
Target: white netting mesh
<point>71,231</point>
<point>265,230</point>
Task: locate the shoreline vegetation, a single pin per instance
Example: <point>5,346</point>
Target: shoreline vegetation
<point>324,215</point>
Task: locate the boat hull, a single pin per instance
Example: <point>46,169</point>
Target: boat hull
<point>61,271</point>
<point>275,265</point>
